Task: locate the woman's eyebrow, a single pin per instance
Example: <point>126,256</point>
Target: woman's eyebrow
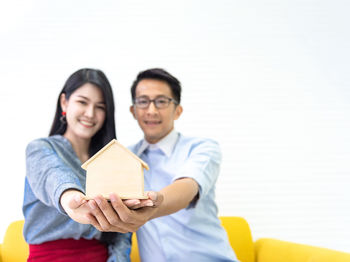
<point>86,98</point>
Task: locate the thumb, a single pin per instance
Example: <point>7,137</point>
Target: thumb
<point>77,199</point>
<point>156,197</point>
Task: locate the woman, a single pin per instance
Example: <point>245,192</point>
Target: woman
<point>55,182</point>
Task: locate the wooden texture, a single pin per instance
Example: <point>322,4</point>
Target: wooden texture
<point>115,169</point>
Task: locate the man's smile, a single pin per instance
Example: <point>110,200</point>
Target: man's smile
<point>152,122</point>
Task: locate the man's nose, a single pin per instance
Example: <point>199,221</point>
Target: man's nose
<point>152,107</point>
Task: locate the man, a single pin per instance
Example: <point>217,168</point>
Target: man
<point>183,224</point>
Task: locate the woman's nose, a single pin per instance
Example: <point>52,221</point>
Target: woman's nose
<point>90,111</point>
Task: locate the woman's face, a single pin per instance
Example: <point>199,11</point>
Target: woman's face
<point>85,112</point>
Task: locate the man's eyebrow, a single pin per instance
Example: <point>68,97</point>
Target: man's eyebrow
<point>146,96</point>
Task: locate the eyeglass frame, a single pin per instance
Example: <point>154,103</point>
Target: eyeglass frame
<point>149,101</point>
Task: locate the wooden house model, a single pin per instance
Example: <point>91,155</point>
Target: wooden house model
<point>115,169</point>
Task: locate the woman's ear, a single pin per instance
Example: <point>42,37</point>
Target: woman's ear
<point>63,102</point>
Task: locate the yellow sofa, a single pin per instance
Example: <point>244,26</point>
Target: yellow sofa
<point>14,248</point>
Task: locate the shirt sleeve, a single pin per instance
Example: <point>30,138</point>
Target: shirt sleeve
<point>119,249</point>
<point>203,165</point>
<point>47,175</point>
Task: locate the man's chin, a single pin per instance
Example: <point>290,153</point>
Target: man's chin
<point>152,139</point>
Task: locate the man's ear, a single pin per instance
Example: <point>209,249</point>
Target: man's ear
<point>178,112</point>
<point>132,111</point>
<point>63,102</point>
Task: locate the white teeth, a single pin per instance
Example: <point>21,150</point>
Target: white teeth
<point>86,123</point>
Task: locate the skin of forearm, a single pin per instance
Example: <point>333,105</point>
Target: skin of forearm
<point>177,196</point>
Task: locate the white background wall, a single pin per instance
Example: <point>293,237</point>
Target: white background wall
<point>268,79</point>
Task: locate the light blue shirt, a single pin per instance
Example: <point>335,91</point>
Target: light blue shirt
<point>194,233</point>
<point>53,167</point>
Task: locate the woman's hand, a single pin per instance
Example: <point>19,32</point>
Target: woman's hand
<point>76,206</point>
<point>116,216</point>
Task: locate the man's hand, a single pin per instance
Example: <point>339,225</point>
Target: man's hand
<point>128,216</point>
<point>138,203</point>
<point>116,216</point>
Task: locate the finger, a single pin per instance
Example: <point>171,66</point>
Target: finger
<point>135,207</point>
<point>131,203</point>
<point>155,197</point>
<point>92,220</point>
<point>77,199</point>
<point>80,199</point>
<point>99,216</point>
<point>152,195</point>
<point>145,203</point>
<point>95,224</point>
<point>119,207</point>
<point>107,210</point>
<point>111,215</point>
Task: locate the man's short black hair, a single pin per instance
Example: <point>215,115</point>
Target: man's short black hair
<point>159,74</point>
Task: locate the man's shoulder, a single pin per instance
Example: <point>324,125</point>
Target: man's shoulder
<point>198,145</point>
<point>135,147</point>
<point>197,141</point>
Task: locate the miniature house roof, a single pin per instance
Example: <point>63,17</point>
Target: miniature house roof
<point>113,141</point>
<point>115,169</point>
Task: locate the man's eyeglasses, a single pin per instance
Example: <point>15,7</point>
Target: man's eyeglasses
<point>159,102</point>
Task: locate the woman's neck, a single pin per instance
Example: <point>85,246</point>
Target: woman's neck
<point>80,147</point>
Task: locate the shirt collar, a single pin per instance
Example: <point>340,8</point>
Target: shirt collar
<point>166,144</point>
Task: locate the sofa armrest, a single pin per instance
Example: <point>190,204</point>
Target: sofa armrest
<point>0,253</point>
<point>240,237</point>
<point>14,247</point>
<point>272,250</point>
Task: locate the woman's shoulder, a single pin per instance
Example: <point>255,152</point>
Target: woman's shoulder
<point>45,142</point>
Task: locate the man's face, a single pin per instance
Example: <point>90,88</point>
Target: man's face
<point>155,122</point>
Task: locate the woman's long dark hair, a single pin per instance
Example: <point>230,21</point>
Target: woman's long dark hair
<point>76,80</point>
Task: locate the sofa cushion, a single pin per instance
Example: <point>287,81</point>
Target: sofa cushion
<point>273,250</point>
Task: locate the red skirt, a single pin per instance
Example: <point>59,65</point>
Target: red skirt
<point>69,250</point>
